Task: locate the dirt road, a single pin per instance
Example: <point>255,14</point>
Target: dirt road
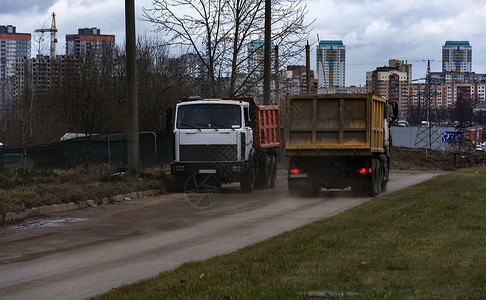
<point>83,253</point>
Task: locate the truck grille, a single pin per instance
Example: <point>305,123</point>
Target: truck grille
<point>208,152</point>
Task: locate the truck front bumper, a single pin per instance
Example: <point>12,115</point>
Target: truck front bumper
<point>226,172</point>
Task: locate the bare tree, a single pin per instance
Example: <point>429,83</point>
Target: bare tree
<point>41,39</point>
<point>162,80</point>
<point>219,33</point>
<point>89,93</point>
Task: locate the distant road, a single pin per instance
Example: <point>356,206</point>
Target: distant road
<point>99,249</point>
<point>405,136</point>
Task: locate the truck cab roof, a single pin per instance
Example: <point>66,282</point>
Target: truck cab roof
<point>214,101</point>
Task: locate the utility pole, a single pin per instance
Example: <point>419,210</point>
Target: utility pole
<point>267,55</point>
<point>307,67</point>
<point>133,151</point>
<point>428,132</point>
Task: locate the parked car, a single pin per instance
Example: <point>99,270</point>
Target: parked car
<point>402,123</point>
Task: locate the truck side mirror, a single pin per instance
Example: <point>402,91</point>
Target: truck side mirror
<point>252,122</point>
<point>395,109</point>
<point>168,118</point>
<point>394,117</point>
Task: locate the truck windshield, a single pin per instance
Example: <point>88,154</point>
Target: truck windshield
<point>203,116</point>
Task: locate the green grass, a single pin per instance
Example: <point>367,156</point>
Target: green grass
<point>424,242</point>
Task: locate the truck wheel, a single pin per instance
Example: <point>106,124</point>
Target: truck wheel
<point>379,178</point>
<point>385,178</point>
<point>180,181</point>
<point>373,188</point>
<point>273,172</point>
<point>357,190</point>
<point>263,179</point>
<point>316,189</point>
<point>384,186</point>
<point>376,178</point>
<point>293,189</point>
<point>247,182</point>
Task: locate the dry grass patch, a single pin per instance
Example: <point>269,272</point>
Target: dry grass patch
<point>23,188</point>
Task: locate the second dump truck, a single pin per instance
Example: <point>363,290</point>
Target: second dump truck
<point>335,141</point>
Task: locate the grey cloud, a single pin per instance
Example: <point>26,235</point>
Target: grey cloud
<point>21,7</point>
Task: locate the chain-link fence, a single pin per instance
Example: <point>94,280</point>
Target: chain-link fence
<point>155,149</point>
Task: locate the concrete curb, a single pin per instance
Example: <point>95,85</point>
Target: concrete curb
<point>44,210</point>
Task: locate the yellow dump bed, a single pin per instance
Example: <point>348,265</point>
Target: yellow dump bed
<point>334,124</point>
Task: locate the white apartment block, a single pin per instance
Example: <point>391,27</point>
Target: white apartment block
<point>13,46</point>
<point>256,53</point>
<point>457,56</point>
<point>392,84</point>
<point>330,65</point>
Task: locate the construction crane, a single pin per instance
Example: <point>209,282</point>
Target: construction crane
<point>53,31</point>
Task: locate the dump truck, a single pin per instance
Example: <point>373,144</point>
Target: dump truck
<point>336,141</point>
<point>225,140</point>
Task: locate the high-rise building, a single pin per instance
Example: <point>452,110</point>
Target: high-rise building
<point>390,83</point>
<point>13,46</point>
<point>36,74</point>
<point>331,64</point>
<point>402,66</point>
<point>86,39</point>
<point>295,81</point>
<point>456,56</point>
<point>256,53</point>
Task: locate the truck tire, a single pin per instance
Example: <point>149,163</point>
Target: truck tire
<point>293,188</point>
<point>374,187</point>
<point>180,181</point>
<point>357,190</point>
<point>247,181</point>
<point>263,179</point>
<point>273,172</point>
<point>379,178</point>
<point>386,176</point>
<point>316,190</point>
<point>384,186</point>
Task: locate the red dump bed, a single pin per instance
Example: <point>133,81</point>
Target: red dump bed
<point>266,133</point>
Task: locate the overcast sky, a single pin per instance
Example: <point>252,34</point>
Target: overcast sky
<point>373,31</point>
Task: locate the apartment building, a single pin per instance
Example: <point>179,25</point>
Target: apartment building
<point>295,80</point>
<point>456,56</point>
<point>256,54</point>
<point>330,64</point>
<point>89,38</point>
<point>392,84</point>
<point>13,46</point>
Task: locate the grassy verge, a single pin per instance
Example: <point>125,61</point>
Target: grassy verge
<point>424,242</point>
<point>22,189</point>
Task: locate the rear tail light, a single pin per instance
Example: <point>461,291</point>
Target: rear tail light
<point>363,170</point>
<point>294,171</point>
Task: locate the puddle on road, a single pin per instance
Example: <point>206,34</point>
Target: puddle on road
<point>41,223</point>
